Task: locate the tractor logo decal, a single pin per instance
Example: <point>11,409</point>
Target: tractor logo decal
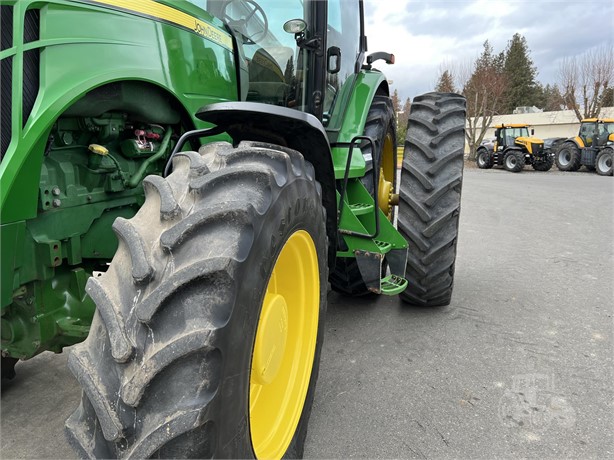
<point>157,11</point>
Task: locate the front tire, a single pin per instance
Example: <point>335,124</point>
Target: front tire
<point>568,157</point>
<point>211,348</point>
<point>484,159</point>
<point>430,196</point>
<point>513,161</point>
<point>603,162</point>
<point>543,164</point>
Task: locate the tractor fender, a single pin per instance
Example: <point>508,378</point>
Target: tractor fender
<point>510,148</point>
<point>286,127</point>
<point>578,141</point>
<point>485,148</point>
<point>552,143</point>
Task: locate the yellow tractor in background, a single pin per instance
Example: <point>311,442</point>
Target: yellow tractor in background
<point>593,147</point>
<point>513,148</point>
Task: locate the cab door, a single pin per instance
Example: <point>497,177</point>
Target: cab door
<point>345,52</point>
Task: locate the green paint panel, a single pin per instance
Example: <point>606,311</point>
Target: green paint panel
<point>357,165</point>
<point>344,126</point>
<point>358,197</point>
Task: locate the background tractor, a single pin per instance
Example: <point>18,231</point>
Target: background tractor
<point>593,147</point>
<point>513,148</point>
<point>180,181</point>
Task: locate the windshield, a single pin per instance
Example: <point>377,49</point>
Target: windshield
<point>517,132</point>
<point>275,65</point>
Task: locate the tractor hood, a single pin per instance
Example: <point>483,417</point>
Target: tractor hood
<point>532,144</point>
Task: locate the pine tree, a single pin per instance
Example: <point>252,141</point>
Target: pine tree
<point>402,118</point>
<point>289,72</point>
<point>396,103</point>
<point>552,100</point>
<point>522,89</point>
<point>445,84</point>
<point>608,98</point>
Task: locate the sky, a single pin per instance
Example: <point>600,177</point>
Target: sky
<point>424,36</point>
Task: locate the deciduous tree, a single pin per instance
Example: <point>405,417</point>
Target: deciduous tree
<point>586,79</point>
<point>484,89</point>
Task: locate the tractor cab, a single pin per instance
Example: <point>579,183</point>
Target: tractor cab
<point>517,135</point>
<point>595,132</point>
<point>296,54</point>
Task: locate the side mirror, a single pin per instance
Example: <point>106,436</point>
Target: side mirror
<point>532,131</point>
<point>333,57</point>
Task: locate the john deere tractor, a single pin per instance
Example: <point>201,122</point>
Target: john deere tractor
<point>180,182</point>
<point>593,147</point>
<point>513,148</point>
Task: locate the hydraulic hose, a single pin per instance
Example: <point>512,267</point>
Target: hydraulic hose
<point>140,174</point>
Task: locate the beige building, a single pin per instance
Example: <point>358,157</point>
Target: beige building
<point>547,124</point>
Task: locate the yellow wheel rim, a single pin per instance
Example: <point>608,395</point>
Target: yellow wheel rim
<point>385,188</point>
<point>284,347</point>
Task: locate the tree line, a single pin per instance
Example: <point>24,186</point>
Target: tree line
<point>497,83</point>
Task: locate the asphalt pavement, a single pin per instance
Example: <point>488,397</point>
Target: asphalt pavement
<point>520,364</point>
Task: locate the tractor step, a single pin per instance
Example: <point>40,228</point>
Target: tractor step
<point>393,285</point>
<point>383,246</point>
<point>359,209</point>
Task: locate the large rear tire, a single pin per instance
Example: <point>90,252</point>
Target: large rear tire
<point>380,126</point>
<point>568,157</point>
<point>211,348</point>
<point>430,196</point>
<point>513,161</point>
<point>603,162</point>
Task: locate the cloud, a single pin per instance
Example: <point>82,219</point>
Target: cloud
<point>425,35</point>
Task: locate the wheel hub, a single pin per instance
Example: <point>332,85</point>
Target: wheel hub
<point>384,193</point>
<point>271,339</point>
<point>284,347</point>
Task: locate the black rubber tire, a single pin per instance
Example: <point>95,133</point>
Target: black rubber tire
<point>603,162</point>
<point>567,157</point>
<point>346,277</point>
<point>165,369</point>
<point>513,161</point>
<point>8,367</point>
<point>543,164</point>
<point>430,196</point>
<point>484,159</point>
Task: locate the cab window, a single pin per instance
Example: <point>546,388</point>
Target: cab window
<point>277,68</point>
<point>344,39</point>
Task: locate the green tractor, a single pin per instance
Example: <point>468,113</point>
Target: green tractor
<point>513,148</point>
<point>180,183</point>
<point>593,147</point>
